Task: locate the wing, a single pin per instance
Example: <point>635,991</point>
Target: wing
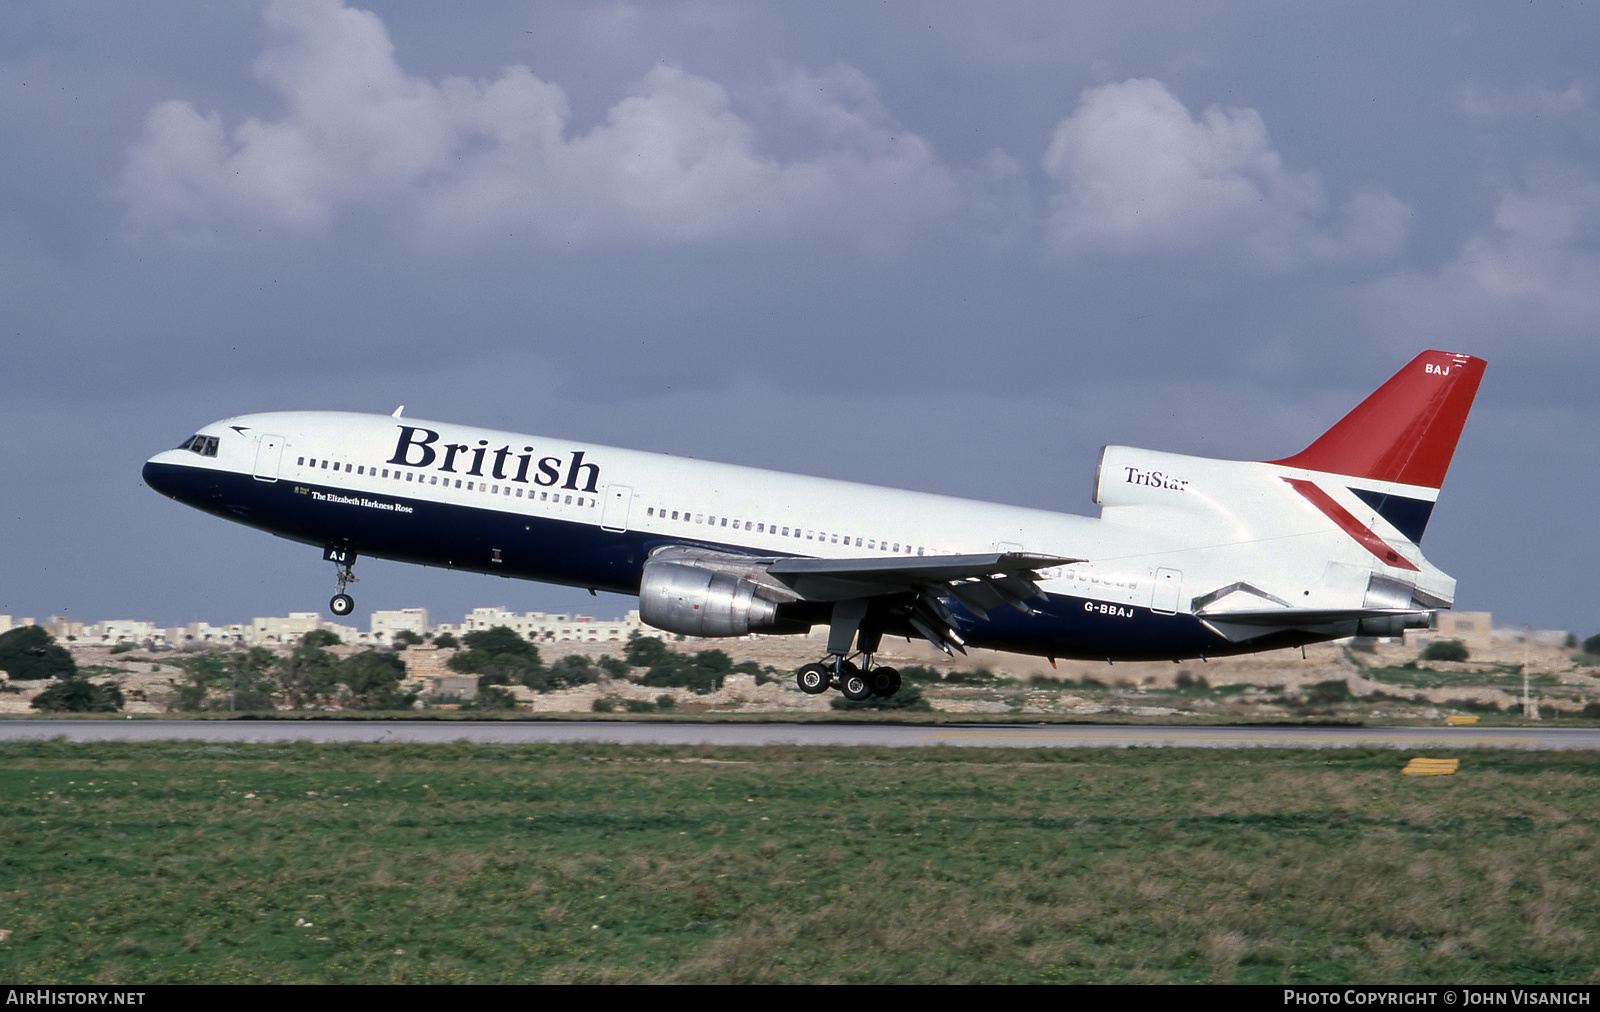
<point>980,583</point>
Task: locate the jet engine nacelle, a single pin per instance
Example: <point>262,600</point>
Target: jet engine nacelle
<point>703,602</point>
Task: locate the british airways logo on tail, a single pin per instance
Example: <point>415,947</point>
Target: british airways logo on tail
<point>419,447</point>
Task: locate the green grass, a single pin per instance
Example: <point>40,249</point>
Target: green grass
<point>150,863</point>
<point>1501,676</point>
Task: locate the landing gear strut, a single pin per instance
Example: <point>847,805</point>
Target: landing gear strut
<point>344,558</point>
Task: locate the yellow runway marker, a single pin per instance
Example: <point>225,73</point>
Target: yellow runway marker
<point>1431,767</point>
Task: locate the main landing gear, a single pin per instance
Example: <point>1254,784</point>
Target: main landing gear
<point>344,558</point>
<point>853,682</point>
<point>838,671</point>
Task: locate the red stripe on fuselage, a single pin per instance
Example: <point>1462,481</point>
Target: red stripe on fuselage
<point>1350,525</point>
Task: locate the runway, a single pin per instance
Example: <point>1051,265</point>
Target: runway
<point>892,735</point>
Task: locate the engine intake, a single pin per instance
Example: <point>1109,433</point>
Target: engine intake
<point>693,601</point>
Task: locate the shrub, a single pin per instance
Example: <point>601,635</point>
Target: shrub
<point>1330,692</point>
<point>907,697</point>
<point>639,705</point>
<point>494,698</point>
<point>605,704</point>
<point>79,695</point>
<point>1445,650</point>
<point>1592,645</point>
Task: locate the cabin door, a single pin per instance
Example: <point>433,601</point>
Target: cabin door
<point>614,517</point>
<point>269,455</point>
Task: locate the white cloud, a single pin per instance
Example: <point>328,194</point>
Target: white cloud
<point>1490,104</point>
<point>1138,174</point>
<point>1531,281</point>
<point>462,159</point>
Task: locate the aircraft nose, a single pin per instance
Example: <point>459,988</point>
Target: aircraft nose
<point>158,476</point>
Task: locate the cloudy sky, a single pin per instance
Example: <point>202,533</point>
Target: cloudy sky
<point>950,247</point>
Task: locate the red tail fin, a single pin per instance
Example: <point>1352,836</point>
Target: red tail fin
<point>1406,431</point>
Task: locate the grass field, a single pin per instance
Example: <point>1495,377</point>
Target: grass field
<point>393,863</point>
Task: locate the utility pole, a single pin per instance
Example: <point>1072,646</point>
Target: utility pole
<point>1529,709</point>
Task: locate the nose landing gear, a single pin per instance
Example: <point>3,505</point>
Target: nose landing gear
<point>344,558</point>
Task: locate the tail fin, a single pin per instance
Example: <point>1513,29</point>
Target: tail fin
<point>1406,432</point>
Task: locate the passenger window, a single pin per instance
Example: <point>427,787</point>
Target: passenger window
<point>386,472</point>
<point>408,476</point>
<point>299,463</point>
<point>569,501</point>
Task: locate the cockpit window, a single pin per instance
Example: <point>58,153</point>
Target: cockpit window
<point>205,446</point>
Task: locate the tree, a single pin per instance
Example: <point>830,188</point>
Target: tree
<point>79,695</point>
<point>702,673</point>
<point>373,678</point>
<point>29,653</point>
<point>1591,646</point>
<point>405,637</point>
<point>236,681</point>
<point>646,651</point>
<point>309,674</point>
<point>500,656</point>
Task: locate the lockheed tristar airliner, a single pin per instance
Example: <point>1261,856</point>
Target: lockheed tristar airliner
<point>1190,557</point>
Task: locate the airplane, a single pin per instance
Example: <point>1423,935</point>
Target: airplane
<point>1190,557</point>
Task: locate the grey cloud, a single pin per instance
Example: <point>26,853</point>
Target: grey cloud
<point>1530,282</point>
<point>1138,174</point>
<point>460,159</point>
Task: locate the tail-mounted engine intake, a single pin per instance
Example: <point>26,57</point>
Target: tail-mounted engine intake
<point>693,601</point>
